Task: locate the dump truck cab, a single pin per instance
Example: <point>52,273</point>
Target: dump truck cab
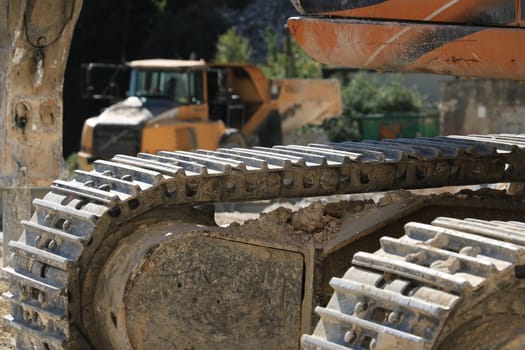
<point>166,84</point>
<point>166,108</point>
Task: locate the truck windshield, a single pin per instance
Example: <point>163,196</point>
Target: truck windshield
<point>183,87</point>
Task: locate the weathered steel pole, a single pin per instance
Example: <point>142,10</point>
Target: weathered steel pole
<point>35,36</point>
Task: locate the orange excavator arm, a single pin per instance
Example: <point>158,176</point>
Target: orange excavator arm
<point>479,38</point>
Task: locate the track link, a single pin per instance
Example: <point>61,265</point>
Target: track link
<point>71,221</point>
<point>401,296</point>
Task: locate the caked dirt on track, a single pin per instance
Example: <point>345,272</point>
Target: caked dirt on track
<point>318,221</point>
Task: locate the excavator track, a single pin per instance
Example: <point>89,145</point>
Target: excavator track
<point>415,290</point>
<point>76,216</point>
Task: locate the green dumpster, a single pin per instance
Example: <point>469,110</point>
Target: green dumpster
<point>395,125</point>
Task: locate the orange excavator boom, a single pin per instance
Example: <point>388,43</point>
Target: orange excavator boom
<point>478,38</point>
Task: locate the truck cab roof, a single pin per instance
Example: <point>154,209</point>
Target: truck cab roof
<point>166,63</point>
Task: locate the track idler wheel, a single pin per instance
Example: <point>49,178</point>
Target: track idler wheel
<point>170,284</point>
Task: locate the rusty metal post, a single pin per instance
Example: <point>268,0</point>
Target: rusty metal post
<point>35,36</point>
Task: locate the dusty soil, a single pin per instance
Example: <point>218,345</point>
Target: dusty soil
<point>317,221</point>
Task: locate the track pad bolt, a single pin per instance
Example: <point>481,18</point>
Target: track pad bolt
<point>52,245</point>
<point>127,177</point>
<point>41,298</point>
<point>470,251</point>
<point>439,241</point>
<point>104,187</point>
<point>394,317</point>
<point>66,226</point>
<point>416,258</point>
<point>350,336</point>
<point>47,219</point>
<point>451,265</point>
<point>360,307</point>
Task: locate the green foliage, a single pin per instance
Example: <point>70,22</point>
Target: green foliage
<point>231,47</point>
<point>397,97</point>
<point>72,164</point>
<point>160,4</point>
<point>284,60</point>
<point>287,59</point>
<point>366,94</point>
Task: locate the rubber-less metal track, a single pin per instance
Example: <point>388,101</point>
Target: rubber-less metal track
<point>70,221</point>
<point>401,296</point>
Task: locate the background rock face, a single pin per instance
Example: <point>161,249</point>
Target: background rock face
<point>258,16</point>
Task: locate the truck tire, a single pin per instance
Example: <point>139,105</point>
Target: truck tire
<point>270,133</point>
<point>232,138</point>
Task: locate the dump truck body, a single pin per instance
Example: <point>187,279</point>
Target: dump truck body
<point>187,105</point>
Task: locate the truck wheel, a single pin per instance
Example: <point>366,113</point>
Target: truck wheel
<point>270,133</point>
<point>233,139</point>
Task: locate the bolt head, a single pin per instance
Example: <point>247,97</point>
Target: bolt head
<point>27,316</point>
<point>394,317</point>
<point>104,187</point>
<point>52,244</point>
<point>48,219</point>
<point>360,306</point>
<point>350,336</point>
<point>41,297</point>
<point>66,226</point>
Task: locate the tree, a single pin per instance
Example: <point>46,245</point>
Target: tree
<point>231,47</point>
<point>287,59</point>
<point>365,94</point>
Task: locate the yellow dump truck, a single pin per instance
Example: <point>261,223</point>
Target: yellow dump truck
<point>187,105</point>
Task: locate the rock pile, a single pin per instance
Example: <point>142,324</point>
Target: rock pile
<point>254,19</point>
